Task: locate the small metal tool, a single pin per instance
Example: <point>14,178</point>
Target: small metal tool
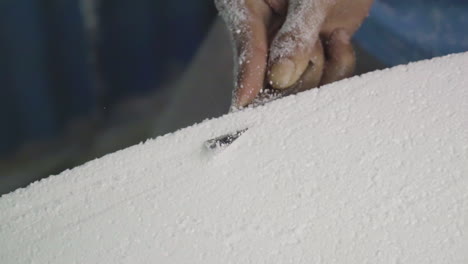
<point>224,140</point>
<point>264,97</point>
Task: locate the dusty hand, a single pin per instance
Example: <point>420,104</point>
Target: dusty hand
<point>291,45</point>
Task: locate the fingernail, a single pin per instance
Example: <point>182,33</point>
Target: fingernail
<point>281,74</point>
<point>242,101</point>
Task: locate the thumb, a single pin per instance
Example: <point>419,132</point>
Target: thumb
<point>291,49</point>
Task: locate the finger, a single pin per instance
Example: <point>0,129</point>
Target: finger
<point>291,49</point>
<point>247,22</point>
<point>313,73</point>
<point>341,59</point>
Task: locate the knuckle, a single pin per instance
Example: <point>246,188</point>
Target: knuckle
<point>233,12</point>
<point>220,4</point>
<point>223,5</point>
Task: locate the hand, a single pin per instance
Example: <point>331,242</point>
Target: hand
<point>291,45</point>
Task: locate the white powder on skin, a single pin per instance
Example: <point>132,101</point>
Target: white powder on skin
<point>301,28</point>
<point>299,32</point>
<point>235,15</point>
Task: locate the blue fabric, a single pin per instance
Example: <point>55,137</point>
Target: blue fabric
<point>140,39</point>
<point>400,31</point>
<point>26,94</point>
<point>129,50</point>
<point>191,20</point>
<point>46,75</point>
<point>69,60</point>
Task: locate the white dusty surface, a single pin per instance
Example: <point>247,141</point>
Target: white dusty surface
<point>368,170</point>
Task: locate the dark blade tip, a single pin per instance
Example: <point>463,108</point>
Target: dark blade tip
<point>224,140</point>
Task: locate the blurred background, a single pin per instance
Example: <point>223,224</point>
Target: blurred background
<point>83,78</point>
